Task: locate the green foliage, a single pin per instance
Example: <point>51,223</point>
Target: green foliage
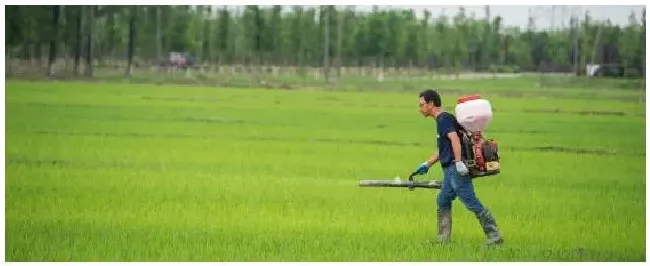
<point>294,36</point>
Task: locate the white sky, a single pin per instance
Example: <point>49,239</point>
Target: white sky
<point>518,15</point>
<point>513,15</point>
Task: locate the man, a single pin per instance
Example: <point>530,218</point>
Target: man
<point>456,180</point>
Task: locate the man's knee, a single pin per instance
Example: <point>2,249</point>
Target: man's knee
<point>472,203</point>
<point>475,207</point>
<point>470,200</point>
<point>444,201</point>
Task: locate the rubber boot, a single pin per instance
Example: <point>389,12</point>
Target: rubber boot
<point>444,226</point>
<point>489,225</point>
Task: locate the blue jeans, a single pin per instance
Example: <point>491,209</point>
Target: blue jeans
<point>454,185</point>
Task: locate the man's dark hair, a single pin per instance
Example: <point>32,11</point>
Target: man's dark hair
<point>431,96</point>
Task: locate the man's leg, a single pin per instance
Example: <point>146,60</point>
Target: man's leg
<point>445,198</point>
<point>490,228</point>
<point>465,191</point>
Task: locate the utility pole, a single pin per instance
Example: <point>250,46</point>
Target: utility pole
<point>596,44</point>
<point>531,20</point>
<point>553,18</point>
<point>562,17</point>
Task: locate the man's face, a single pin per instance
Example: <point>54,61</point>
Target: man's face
<point>426,109</point>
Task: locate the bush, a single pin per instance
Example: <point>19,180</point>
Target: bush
<point>504,68</point>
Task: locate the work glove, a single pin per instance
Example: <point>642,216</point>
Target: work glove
<point>461,168</point>
<point>422,169</point>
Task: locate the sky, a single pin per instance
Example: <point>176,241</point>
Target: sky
<point>518,15</point>
<point>545,16</point>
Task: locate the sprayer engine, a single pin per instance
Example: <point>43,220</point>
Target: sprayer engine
<point>481,155</point>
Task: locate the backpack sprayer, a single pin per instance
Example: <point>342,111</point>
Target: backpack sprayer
<point>481,156</point>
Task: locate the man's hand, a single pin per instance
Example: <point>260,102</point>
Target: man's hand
<point>461,168</point>
<point>422,169</point>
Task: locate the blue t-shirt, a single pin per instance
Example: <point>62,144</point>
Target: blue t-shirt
<point>446,123</point>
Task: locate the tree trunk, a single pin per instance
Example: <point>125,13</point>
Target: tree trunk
<point>208,35</point>
<point>339,33</point>
<point>26,54</point>
<point>55,37</point>
<point>134,11</point>
<point>326,29</point>
<point>158,32</point>
<point>77,49</point>
<point>643,39</point>
<point>89,41</point>
<point>66,39</point>
<point>8,61</point>
<point>199,27</point>
<point>37,51</point>
<point>576,39</point>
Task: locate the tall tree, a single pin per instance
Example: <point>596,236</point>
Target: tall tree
<point>326,42</point>
<point>79,38</point>
<point>158,32</point>
<point>299,36</point>
<point>642,45</point>
<point>53,39</point>
<point>89,39</point>
<point>340,19</point>
<point>133,14</point>
<point>223,39</point>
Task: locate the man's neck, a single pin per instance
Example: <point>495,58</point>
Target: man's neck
<point>437,113</point>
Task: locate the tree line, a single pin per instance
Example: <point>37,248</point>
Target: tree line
<point>317,36</point>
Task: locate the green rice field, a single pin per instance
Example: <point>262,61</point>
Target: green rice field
<point>125,172</point>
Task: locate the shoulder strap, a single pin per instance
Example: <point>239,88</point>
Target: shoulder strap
<point>457,125</point>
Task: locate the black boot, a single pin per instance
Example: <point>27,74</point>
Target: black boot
<point>444,226</point>
<point>489,225</point>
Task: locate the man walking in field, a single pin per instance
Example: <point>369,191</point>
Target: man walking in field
<point>456,181</point>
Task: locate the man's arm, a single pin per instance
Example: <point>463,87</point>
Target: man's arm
<point>433,159</point>
<point>455,145</point>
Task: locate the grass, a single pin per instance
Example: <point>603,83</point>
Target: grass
<point>124,172</point>
<point>508,83</point>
